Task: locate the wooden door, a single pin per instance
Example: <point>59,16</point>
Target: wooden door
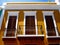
<point>12,22</point>
<point>50,26</point>
<point>30,25</point>
<point>11,26</point>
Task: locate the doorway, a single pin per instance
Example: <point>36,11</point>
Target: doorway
<point>30,25</point>
<point>50,26</point>
<point>11,27</point>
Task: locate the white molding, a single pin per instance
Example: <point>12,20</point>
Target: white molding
<point>38,5</point>
<point>30,13</point>
<point>53,37</point>
<point>30,35</point>
<point>21,5</point>
<point>50,13</point>
<point>12,13</point>
<point>31,6</point>
<point>9,37</point>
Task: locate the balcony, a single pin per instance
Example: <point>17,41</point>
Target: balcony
<point>31,31</point>
<point>22,31</point>
<point>51,32</point>
<point>9,33</point>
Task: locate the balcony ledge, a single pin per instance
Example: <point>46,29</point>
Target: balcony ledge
<point>30,35</point>
<point>52,36</point>
<point>9,37</point>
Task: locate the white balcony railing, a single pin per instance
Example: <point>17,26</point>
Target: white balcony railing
<point>30,31</point>
<point>10,33</point>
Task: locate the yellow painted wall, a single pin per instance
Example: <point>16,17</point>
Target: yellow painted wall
<point>57,18</point>
<point>3,28</point>
<point>21,22</point>
<point>40,21</point>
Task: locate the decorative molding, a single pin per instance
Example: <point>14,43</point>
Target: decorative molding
<point>29,13</point>
<point>13,13</point>
<point>48,12</point>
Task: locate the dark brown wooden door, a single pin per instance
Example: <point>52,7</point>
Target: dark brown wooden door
<point>12,22</point>
<point>30,25</point>
<point>11,26</point>
<point>50,26</point>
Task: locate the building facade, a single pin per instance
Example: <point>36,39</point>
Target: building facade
<point>30,24</point>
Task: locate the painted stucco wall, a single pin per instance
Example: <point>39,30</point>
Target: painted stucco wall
<point>40,21</point>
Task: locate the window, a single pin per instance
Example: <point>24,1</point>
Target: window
<point>30,25</point>
<point>30,20</point>
<point>11,24</point>
<point>50,24</point>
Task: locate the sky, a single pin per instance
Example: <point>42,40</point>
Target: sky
<point>2,1</point>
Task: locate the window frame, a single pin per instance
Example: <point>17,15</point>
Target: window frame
<point>50,13</point>
<point>15,13</point>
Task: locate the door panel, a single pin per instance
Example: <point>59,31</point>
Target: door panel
<point>30,25</point>
<point>50,26</point>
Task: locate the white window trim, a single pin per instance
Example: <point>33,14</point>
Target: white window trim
<point>11,13</point>
<point>30,35</point>
<point>50,13</point>
<point>30,13</point>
